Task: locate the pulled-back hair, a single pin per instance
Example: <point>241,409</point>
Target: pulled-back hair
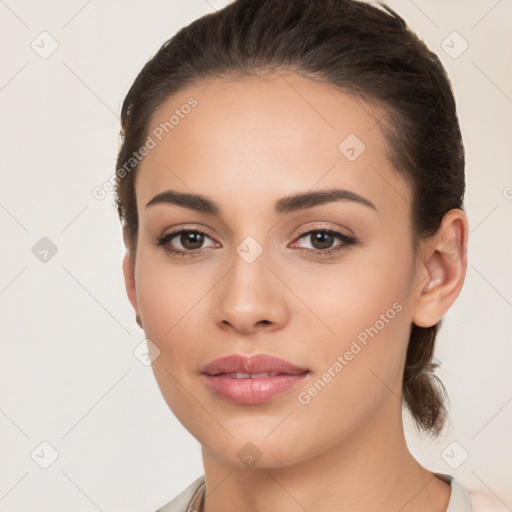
<point>364,50</point>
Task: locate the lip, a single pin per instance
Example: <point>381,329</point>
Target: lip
<point>259,363</point>
<point>252,390</point>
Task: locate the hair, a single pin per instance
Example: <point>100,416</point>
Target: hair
<point>366,51</point>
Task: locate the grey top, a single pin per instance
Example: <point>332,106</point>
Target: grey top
<point>190,499</point>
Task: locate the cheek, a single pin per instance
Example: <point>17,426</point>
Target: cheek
<point>360,374</point>
<point>169,299</point>
<point>350,295</point>
<point>174,303</point>
<point>168,295</point>
<point>364,302</point>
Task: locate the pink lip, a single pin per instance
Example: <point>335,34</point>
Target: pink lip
<point>252,390</point>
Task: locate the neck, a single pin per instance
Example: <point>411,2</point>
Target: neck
<point>372,469</point>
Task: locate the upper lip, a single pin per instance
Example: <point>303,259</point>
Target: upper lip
<point>260,363</point>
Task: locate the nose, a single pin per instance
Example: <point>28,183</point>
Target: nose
<point>250,298</point>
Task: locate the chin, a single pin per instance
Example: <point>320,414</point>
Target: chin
<point>256,451</point>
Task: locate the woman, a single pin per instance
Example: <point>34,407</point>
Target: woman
<point>291,183</point>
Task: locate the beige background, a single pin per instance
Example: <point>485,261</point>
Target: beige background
<point>69,376</point>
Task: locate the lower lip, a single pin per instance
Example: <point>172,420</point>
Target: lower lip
<point>253,391</point>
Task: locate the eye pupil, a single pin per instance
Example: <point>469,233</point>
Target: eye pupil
<point>195,238</point>
<point>325,239</point>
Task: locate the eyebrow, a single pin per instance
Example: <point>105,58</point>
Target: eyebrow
<point>283,206</point>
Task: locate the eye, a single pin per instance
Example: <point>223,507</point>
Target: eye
<point>323,240</point>
<point>191,242</point>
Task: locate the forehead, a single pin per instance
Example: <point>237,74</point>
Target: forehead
<point>251,136</point>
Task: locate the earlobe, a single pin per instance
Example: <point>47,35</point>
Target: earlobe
<point>445,269</point>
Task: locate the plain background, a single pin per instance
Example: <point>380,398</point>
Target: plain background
<point>68,373</point>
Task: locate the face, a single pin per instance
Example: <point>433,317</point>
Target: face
<point>322,284</point>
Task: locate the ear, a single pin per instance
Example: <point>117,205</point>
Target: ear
<point>442,269</point>
<point>129,273</point>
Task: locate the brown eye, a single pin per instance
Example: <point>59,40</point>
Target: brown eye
<point>323,242</point>
<point>185,242</point>
<point>322,239</point>
<point>191,240</point>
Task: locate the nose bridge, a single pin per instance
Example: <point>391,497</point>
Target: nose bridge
<point>249,294</point>
<point>251,250</point>
<point>249,272</point>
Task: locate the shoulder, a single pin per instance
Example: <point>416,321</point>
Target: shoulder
<point>486,502</point>
<point>181,501</point>
<point>460,500</point>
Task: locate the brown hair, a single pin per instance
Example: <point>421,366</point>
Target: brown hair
<point>364,50</point>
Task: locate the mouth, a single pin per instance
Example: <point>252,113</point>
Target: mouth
<point>252,380</point>
<point>239,375</point>
<point>239,366</point>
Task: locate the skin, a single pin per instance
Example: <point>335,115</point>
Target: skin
<point>248,143</point>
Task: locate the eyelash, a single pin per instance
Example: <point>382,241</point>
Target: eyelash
<point>346,240</point>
